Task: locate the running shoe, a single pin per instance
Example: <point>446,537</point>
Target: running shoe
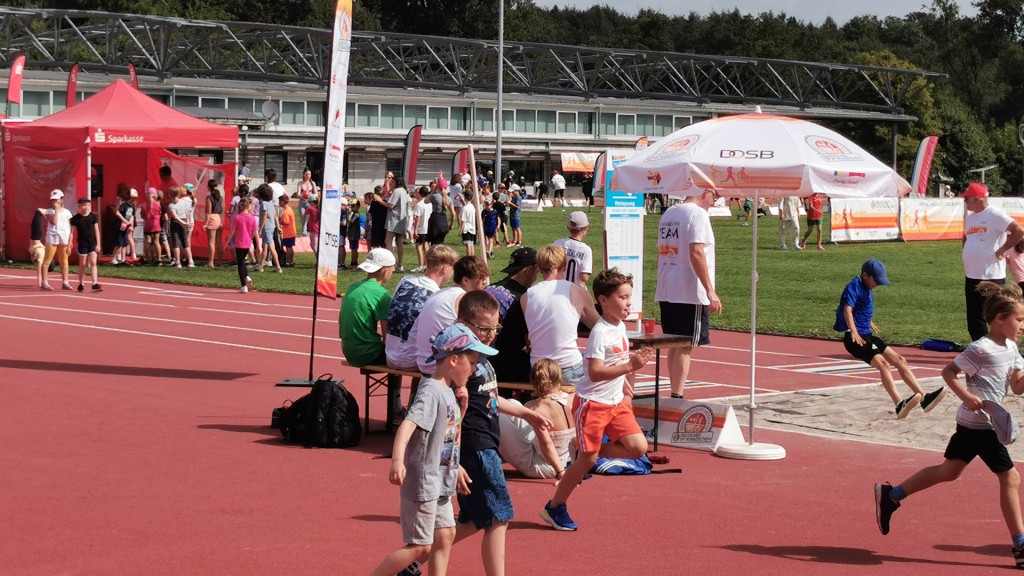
<point>903,407</point>
<point>932,399</point>
<point>243,290</point>
<point>885,506</point>
<point>1018,557</point>
<point>558,517</point>
<point>411,570</point>
<point>66,286</point>
<point>81,287</point>
<point>46,288</point>
<point>97,288</point>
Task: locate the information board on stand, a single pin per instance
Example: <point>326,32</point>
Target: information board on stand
<point>624,232</point>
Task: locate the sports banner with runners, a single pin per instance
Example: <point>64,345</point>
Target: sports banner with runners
<point>334,154</point>
<point>931,219</point>
<point>860,219</point>
<point>1014,207</point>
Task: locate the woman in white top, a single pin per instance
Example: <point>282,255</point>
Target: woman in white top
<point>541,453</point>
<point>304,190</point>
<point>57,239</point>
<point>553,309</point>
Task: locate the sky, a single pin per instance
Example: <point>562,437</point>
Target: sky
<point>813,11</point>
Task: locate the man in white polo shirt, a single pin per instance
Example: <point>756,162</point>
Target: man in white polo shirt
<point>989,233</point>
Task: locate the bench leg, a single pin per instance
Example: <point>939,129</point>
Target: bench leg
<point>366,407</point>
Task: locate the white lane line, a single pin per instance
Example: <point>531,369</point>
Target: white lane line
<point>166,294</point>
<point>167,336</point>
<point>186,322</point>
<point>275,316</point>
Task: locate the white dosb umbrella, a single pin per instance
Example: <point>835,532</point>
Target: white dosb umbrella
<point>757,155</point>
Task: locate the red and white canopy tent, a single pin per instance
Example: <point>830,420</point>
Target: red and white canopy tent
<point>120,129</point>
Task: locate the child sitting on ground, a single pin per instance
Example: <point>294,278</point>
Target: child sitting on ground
<point>426,457</point>
<point>603,397</point>
<point>854,318</point>
<point>991,364</point>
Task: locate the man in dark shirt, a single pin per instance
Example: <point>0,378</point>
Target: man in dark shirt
<point>512,364</point>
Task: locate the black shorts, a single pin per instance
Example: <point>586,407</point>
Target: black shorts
<point>966,443</point>
<point>468,238</point>
<point>85,249</point>
<point>686,320</point>
<point>491,235</point>
<point>560,193</point>
<point>421,239</point>
<point>179,235</point>
<point>816,222</point>
<point>122,237</point>
<point>290,242</point>
<point>873,346</point>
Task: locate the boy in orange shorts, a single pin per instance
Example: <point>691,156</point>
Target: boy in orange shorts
<point>603,403</point>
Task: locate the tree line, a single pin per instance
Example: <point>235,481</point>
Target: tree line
<point>976,110</point>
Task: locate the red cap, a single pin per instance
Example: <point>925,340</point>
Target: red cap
<point>975,190</point>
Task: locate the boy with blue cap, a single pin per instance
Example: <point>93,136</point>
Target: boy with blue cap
<point>426,453</point>
<point>854,318</point>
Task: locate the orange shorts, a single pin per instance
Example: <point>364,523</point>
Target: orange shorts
<point>594,419</point>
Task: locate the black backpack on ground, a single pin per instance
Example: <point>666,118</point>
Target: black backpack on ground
<point>327,417</point>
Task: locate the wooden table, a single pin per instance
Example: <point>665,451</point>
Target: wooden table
<point>658,342</point>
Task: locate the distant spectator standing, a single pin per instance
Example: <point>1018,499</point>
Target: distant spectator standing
<point>151,214</point>
<point>87,225</point>
<point>454,193</point>
<point>178,211</point>
<point>36,249</point>
<point>789,222</point>
<point>421,220</point>
<point>57,238</point>
<point>313,223</point>
<point>686,279</point>
<point>215,221</point>
<point>814,213</point>
<point>467,223</point>
<point>442,215</point>
<point>588,191</point>
<point>377,215</point>
<point>579,256</point>
<point>397,220</point>
<point>243,173</point>
<point>286,219</point>
<point>243,229</point>
<point>558,186</point>
<point>989,234</point>
<point>304,190</point>
<point>515,205</point>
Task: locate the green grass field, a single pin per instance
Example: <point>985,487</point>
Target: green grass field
<point>797,292</point>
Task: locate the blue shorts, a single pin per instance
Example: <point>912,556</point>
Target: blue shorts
<point>268,235</point>
<point>488,499</point>
<point>514,222</point>
<point>572,375</point>
<point>288,242</point>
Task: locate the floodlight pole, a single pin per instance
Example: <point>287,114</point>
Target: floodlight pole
<point>501,108</point>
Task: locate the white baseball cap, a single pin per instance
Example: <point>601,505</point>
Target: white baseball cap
<point>578,220</point>
<point>377,258</point>
<point>56,195</point>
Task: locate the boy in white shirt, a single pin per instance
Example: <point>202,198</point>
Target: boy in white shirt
<point>467,223</point>
<point>579,256</point>
<point>603,398</point>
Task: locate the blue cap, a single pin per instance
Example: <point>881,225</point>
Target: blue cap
<point>455,339</point>
<point>876,270</point>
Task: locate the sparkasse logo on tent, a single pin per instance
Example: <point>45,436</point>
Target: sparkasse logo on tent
<point>100,136</point>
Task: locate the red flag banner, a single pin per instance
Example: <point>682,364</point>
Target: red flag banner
<point>14,83</point>
<point>72,86</point>
<point>132,76</point>
<point>460,162</point>
<point>411,157</point>
<point>923,166</point>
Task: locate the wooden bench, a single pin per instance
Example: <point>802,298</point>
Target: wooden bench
<point>376,376</point>
<point>527,387</point>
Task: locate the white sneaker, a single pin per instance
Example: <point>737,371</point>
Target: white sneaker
<point>248,283</point>
<point>191,264</point>
<point>243,290</point>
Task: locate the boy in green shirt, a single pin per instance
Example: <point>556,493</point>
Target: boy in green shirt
<point>364,308</point>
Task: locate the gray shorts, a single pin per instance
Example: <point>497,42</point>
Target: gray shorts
<point>421,519</point>
<point>572,375</point>
<point>399,228</point>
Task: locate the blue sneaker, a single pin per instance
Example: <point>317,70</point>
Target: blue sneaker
<point>558,517</point>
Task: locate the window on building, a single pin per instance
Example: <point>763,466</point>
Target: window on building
<point>184,101</point>
<point>645,124</point>
<point>437,118</point>
<point>219,103</point>
<point>585,123</point>
<point>414,115</point>
<point>662,125</point>
<point>367,115</point>
<point>161,98</point>
<point>391,116</point>
<point>35,103</point>
<point>508,120</point>
<point>278,160</point>
<point>459,118</point>
<point>483,120</point>
<point>607,120</point>
<point>546,122</point>
<point>627,125</point>
<point>350,115</point>
<point>315,113</point>
<point>526,121</point>
<point>566,122</point>
<point>243,104</point>
<point>293,113</point>
<point>60,100</point>
<point>683,121</point>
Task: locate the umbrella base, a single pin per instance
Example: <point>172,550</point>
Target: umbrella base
<point>754,451</point>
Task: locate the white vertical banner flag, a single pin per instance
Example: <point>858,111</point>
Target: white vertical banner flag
<point>334,153</point>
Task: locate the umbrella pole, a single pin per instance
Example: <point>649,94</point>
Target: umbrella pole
<point>752,450</point>
<point>753,323</point>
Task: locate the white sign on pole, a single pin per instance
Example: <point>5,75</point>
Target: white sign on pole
<point>624,231</point>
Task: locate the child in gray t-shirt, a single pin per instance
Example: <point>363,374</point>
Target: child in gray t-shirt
<point>425,455</point>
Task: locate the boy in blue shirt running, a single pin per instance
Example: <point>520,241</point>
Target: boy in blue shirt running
<point>854,318</point>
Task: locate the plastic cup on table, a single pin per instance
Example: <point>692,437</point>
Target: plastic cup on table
<point>648,325</point>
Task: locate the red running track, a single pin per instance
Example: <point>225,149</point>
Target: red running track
<point>136,442</point>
